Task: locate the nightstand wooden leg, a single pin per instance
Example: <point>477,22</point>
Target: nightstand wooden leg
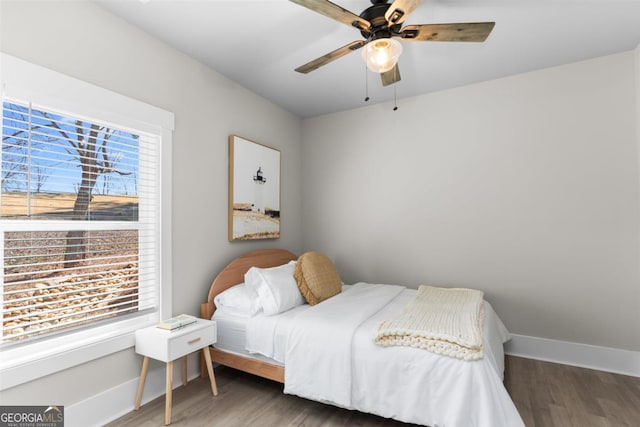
<point>167,406</point>
<point>143,378</point>
<point>212,378</point>
<point>184,371</point>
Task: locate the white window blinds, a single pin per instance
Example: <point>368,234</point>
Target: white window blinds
<point>79,220</point>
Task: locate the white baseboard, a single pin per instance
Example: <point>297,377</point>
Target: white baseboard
<point>615,360</point>
<point>118,401</point>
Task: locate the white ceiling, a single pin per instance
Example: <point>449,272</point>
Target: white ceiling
<point>259,44</point>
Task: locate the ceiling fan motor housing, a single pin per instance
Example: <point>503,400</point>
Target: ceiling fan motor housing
<point>379,26</point>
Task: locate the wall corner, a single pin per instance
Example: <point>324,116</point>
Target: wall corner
<point>636,75</point>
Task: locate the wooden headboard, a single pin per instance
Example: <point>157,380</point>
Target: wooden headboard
<point>233,273</point>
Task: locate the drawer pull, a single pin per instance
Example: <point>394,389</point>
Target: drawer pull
<point>193,341</point>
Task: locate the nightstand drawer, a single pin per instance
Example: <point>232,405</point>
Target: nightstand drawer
<point>192,341</point>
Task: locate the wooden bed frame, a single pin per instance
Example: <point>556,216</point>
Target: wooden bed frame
<point>231,275</point>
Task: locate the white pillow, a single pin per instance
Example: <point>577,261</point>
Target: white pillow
<point>239,299</point>
<point>276,288</point>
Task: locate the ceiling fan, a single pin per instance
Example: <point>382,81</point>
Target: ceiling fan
<point>378,24</point>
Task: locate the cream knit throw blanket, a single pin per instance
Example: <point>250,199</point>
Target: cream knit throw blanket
<point>443,321</point>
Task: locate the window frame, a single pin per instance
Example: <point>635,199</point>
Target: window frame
<point>23,80</point>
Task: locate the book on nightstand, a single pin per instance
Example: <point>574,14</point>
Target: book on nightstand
<point>177,322</point>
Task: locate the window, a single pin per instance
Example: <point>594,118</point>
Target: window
<point>83,217</point>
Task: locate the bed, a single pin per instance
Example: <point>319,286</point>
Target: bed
<point>331,340</point>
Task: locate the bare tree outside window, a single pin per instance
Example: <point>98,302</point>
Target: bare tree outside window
<point>89,146</point>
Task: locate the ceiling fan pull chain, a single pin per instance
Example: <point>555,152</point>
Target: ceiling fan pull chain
<point>366,84</point>
<point>395,98</point>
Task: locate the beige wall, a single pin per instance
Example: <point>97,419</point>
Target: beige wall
<point>82,40</point>
<point>525,187</point>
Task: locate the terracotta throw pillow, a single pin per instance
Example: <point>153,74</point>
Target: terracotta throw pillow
<point>317,277</point>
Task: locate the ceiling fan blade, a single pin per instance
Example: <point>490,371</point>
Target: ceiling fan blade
<point>329,57</point>
<point>462,32</point>
<point>336,12</point>
<point>390,77</point>
<point>400,9</point>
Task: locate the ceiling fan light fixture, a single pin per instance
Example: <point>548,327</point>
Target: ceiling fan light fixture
<point>382,54</point>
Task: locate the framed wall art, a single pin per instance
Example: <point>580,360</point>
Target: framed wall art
<point>254,190</point>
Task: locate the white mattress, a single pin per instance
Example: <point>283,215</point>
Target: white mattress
<point>232,335</point>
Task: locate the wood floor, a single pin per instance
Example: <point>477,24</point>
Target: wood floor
<point>546,394</point>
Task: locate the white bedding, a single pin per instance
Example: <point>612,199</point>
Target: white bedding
<point>319,343</point>
<point>232,335</point>
<point>231,331</point>
<point>330,356</point>
<point>267,335</point>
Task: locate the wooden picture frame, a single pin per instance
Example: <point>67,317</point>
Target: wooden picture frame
<point>254,190</point>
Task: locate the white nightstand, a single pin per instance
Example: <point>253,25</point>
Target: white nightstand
<point>168,346</point>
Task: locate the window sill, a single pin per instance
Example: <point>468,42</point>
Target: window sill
<point>32,361</point>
